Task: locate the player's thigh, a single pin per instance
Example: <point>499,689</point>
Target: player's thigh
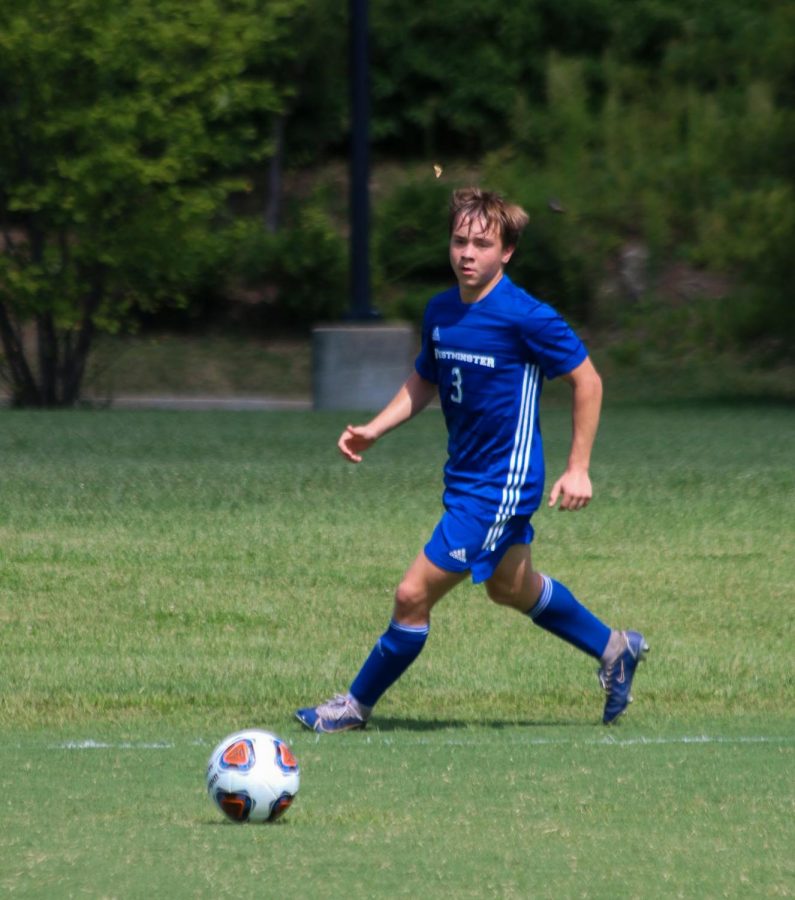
<point>423,585</point>
<point>515,583</point>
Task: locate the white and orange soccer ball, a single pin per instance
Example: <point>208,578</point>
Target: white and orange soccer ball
<point>252,776</point>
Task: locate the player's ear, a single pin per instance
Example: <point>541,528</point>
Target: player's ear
<point>507,253</point>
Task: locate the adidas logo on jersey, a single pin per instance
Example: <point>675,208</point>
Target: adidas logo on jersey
<point>460,555</point>
<point>435,336</point>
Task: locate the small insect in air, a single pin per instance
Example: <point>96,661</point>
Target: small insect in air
<point>437,170</point>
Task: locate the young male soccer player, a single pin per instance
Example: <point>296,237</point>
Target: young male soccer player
<point>486,347</point>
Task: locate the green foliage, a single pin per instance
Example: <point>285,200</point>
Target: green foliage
<point>449,78</point>
<point>639,160</point>
<point>126,127</point>
<point>753,232</point>
<point>631,152</point>
<point>298,274</point>
<point>123,129</point>
<point>317,110</point>
<point>424,92</point>
<point>657,122</point>
<point>411,230</point>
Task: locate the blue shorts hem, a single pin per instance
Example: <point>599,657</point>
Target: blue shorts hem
<point>444,562</point>
<point>459,543</point>
<point>480,571</point>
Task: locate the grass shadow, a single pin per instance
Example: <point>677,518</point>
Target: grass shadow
<point>390,723</point>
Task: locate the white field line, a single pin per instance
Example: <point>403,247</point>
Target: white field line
<point>103,745</point>
<point>607,741</point>
<point>388,740</point>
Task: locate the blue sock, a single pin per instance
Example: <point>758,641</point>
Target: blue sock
<point>558,610</point>
<point>395,651</point>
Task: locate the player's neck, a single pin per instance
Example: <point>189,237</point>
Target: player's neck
<point>470,294</point>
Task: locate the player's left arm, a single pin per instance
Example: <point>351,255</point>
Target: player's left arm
<point>573,488</point>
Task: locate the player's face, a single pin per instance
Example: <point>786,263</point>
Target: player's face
<point>477,256</point>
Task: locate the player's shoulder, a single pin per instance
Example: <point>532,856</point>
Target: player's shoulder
<point>519,303</point>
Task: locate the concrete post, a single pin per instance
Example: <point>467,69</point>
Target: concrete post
<point>360,367</point>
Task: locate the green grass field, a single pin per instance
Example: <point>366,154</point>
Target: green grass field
<point>167,578</point>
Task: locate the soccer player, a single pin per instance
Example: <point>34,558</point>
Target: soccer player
<point>487,345</point>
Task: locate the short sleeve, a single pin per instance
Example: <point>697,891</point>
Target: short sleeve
<point>551,341</point>
<point>425,364</point>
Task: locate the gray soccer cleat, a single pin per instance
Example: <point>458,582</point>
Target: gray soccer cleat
<point>616,677</point>
<point>341,713</point>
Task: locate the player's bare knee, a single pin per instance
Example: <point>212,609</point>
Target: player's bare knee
<point>411,604</point>
<point>504,595</point>
<point>498,594</point>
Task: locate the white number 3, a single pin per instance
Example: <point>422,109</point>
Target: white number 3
<point>457,394</point>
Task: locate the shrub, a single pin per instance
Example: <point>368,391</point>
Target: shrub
<point>291,278</point>
<point>411,231</point>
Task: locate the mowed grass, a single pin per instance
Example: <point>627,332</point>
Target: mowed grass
<point>167,578</point>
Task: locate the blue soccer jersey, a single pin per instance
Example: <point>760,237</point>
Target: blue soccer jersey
<point>489,360</point>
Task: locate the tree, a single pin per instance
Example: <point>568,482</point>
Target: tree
<point>124,127</point>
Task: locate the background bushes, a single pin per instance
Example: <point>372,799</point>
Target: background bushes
<point>659,126</point>
<point>289,278</point>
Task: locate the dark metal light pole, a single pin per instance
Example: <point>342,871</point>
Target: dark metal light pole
<point>360,163</point>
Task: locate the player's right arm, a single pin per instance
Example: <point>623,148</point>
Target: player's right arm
<point>411,399</point>
<point>574,486</point>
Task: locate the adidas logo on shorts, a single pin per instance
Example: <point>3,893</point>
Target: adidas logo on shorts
<point>460,555</point>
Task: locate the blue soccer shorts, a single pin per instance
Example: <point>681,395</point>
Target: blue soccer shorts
<point>466,541</point>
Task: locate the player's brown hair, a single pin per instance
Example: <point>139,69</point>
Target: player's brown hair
<point>474,203</point>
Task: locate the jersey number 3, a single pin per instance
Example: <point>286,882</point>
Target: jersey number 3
<point>457,393</point>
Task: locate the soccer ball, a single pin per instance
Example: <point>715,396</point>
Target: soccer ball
<point>252,776</point>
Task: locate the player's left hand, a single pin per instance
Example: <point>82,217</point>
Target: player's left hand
<point>573,489</point>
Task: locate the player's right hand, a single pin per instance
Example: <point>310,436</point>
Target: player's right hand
<point>574,490</point>
<point>354,441</point>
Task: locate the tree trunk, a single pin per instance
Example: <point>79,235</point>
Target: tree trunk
<point>23,386</point>
<point>48,359</point>
<point>62,363</point>
<point>75,355</point>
